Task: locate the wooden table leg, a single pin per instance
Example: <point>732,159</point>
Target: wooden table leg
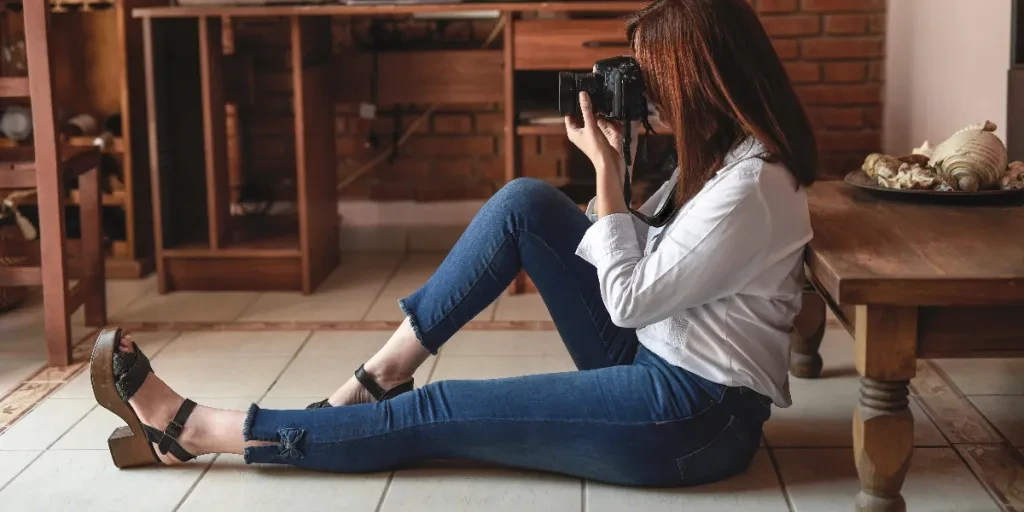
<point>883,428</point>
<point>808,331</point>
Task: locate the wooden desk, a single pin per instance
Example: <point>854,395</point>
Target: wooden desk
<point>908,281</point>
<point>186,71</point>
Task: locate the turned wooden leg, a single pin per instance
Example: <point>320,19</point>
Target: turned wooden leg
<point>808,330</point>
<point>883,428</point>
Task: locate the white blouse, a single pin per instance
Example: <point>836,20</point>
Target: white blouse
<point>715,290</point>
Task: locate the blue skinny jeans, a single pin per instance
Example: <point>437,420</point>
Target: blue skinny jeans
<point>626,417</point>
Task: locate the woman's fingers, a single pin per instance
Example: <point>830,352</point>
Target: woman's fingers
<point>587,108</point>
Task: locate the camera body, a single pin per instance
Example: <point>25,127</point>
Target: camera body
<point>616,90</point>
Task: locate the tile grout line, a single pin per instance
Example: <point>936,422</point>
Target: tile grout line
<point>24,469</point>
<point>380,292</point>
<point>384,493</point>
<point>583,495</point>
<point>778,475</point>
<point>207,469</point>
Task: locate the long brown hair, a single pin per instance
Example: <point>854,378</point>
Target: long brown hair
<point>716,79</point>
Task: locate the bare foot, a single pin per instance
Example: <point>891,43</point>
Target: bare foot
<point>352,392</point>
<point>156,404</point>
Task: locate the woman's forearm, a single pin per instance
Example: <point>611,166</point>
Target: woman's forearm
<point>609,189</point>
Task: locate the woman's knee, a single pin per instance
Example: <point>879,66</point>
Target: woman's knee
<point>530,196</point>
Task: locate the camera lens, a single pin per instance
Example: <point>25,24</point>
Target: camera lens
<point>568,99</point>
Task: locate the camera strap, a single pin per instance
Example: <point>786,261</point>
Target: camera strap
<point>669,208</point>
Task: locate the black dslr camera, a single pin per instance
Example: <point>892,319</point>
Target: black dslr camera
<point>616,90</point>
<point>615,87</point>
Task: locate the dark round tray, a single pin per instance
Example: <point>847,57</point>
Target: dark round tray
<point>861,180</point>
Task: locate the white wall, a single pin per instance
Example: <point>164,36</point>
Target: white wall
<point>946,67</point>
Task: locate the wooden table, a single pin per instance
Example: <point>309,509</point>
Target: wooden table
<point>908,280</point>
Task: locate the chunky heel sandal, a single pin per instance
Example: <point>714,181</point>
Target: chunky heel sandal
<point>373,387</point>
<point>116,376</point>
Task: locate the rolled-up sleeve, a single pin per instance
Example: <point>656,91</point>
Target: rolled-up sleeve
<point>710,252</point>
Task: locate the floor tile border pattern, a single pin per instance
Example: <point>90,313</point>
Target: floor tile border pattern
<point>43,383</point>
<point>996,463</point>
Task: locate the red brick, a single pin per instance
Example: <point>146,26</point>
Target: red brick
<point>845,48</point>
<point>787,49</point>
<point>409,119</point>
<point>340,125</point>
<point>838,95</point>
<point>836,165</point>
<point>545,167</point>
<point>845,72</point>
<point>842,5</point>
<point>455,191</point>
<point>790,25</point>
<point>346,146</point>
<point>490,122</point>
<point>876,71</point>
<point>776,6</point>
<point>803,72</point>
<point>849,141</point>
<point>406,167</point>
<point>842,117</point>
<point>873,116</point>
<point>453,123</point>
<point>460,167</point>
<point>847,24</point>
<point>449,146</point>
<point>491,168</point>
<point>878,24</point>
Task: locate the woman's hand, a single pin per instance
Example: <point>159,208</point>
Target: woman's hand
<point>592,137</point>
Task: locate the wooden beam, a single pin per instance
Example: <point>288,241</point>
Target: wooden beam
<point>211,60</point>
<point>14,87</point>
<point>21,276</point>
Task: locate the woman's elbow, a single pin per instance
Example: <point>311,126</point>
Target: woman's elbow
<point>628,316</point>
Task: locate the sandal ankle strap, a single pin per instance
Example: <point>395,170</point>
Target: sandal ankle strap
<point>167,440</point>
<point>378,392</point>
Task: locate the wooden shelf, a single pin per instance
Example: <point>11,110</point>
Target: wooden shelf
<point>90,141</point>
<point>280,246</point>
<point>180,11</point>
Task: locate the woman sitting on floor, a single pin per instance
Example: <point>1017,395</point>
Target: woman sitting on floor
<point>680,330</point>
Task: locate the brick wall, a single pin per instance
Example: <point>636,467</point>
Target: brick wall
<point>832,49</point>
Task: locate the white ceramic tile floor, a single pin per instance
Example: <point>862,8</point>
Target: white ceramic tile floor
<point>45,424</point>
<point>985,376</point>
<point>493,490</point>
<point>12,462</point>
<point>1006,413</point>
<point>522,308</point>
<point>86,480</point>
<point>186,306</point>
<point>826,480</point>
<point>346,295</point>
<point>231,485</point>
<point>291,369</point>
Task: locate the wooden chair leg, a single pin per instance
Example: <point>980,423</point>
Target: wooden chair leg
<point>92,248</point>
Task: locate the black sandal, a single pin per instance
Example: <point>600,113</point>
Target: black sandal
<point>371,385</point>
<point>116,376</point>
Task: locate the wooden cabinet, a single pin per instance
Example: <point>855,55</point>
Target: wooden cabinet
<point>567,44</point>
<point>98,70</point>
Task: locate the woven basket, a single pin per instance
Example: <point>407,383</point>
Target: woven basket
<point>14,251</point>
